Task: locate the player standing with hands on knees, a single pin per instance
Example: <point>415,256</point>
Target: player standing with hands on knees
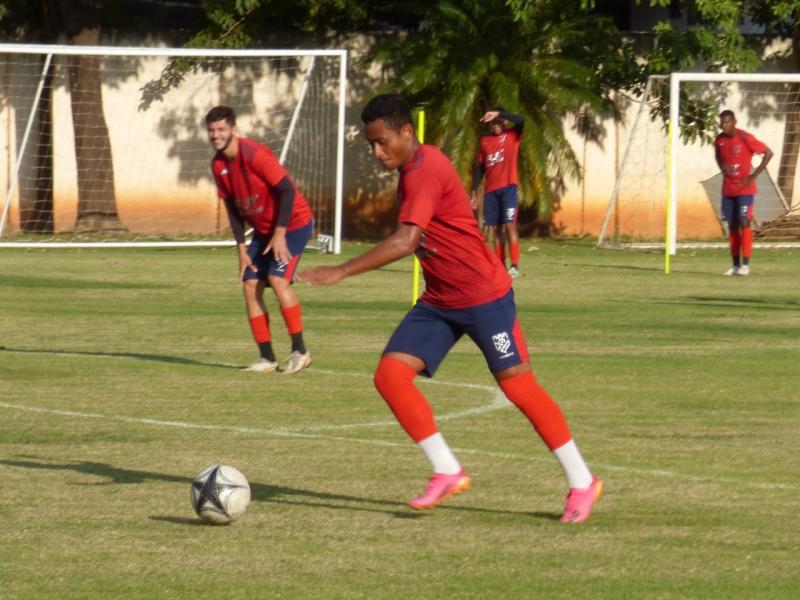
<point>734,150</point>
<point>497,159</point>
<point>256,190</point>
<point>467,292</point>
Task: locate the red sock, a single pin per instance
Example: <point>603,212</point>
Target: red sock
<point>260,327</point>
<point>513,250</point>
<point>735,241</point>
<point>500,251</point>
<point>747,241</point>
<point>394,381</point>
<point>293,319</point>
<point>543,413</point>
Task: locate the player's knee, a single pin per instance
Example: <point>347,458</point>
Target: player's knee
<point>250,286</point>
<point>277,282</point>
<point>390,373</point>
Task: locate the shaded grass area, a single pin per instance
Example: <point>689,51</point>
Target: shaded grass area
<point>119,382</point>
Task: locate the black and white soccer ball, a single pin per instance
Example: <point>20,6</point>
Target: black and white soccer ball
<point>220,494</point>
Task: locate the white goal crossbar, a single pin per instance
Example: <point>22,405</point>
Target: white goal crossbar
<point>334,91</point>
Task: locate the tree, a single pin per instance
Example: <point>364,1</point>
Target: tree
<point>718,44</point>
<point>544,60</point>
<point>80,22</point>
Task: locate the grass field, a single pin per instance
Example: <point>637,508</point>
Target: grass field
<point>119,382</point>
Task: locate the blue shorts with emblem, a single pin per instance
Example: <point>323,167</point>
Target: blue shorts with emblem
<point>266,264</point>
<point>737,209</point>
<point>429,333</point>
<point>501,206</point>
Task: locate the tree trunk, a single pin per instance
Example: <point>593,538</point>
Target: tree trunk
<point>97,208</point>
<point>96,195</point>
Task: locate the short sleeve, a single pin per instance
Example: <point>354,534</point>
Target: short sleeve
<point>420,196</point>
<point>756,146</point>
<point>266,164</point>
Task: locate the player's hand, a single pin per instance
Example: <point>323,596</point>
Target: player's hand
<point>321,275</point>
<point>473,200</point>
<point>490,116</point>
<point>280,250</point>
<point>246,263</point>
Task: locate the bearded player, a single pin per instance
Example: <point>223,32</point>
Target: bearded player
<point>257,191</point>
<point>467,292</point>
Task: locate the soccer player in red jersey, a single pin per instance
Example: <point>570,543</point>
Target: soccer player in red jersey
<point>256,190</point>
<point>734,150</point>
<point>467,291</point>
<point>497,158</point>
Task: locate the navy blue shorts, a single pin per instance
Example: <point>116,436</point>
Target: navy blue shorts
<point>429,333</point>
<point>737,209</point>
<point>501,206</point>
<point>266,264</point>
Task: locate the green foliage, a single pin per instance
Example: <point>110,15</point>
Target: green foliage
<point>527,57</point>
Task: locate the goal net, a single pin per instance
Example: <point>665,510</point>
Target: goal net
<point>669,184</point>
<point>104,145</point>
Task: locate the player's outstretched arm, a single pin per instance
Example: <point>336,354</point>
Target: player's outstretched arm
<point>401,243</point>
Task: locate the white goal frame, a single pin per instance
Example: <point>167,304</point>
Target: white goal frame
<point>49,51</point>
<point>675,80</point>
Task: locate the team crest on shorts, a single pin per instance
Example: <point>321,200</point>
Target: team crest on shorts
<point>502,342</point>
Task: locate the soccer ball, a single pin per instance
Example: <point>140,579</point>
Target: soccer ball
<point>220,494</point>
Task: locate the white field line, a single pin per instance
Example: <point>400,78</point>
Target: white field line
<point>282,432</point>
<point>498,401</point>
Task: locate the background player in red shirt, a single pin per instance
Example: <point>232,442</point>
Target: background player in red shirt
<point>497,158</point>
<point>256,190</point>
<point>734,151</point>
<point>467,291</point>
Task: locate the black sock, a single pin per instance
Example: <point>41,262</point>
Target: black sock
<point>746,261</point>
<point>737,262</point>
<point>266,351</point>
<point>297,343</point>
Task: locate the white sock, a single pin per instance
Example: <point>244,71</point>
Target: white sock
<point>572,462</point>
<point>440,455</point>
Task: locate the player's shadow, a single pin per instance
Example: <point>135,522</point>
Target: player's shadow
<point>173,360</point>
<point>260,492</point>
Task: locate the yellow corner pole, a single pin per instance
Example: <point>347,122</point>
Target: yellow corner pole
<point>415,282</point>
<point>669,201</point>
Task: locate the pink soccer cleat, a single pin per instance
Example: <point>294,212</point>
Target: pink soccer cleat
<point>440,487</point>
<point>580,501</point>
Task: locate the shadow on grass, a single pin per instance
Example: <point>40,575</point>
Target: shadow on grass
<point>71,283</point>
<point>259,492</point>
<point>655,269</point>
<point>721,302</point>
<point>174,360</point>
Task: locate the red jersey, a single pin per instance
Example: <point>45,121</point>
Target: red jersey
<point>459,268</point>
<point>249,180</point>
<point>735,153</point>
<point>498,155</point>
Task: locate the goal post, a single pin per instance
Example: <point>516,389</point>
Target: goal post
<point>106,146</point>
<point>667,191</point>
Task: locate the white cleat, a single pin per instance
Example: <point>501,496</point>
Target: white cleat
<point>732,271</point>
<point>262,365</point>
<point>513,272</point>
<point>743,271</point>
<point>296,362</point>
